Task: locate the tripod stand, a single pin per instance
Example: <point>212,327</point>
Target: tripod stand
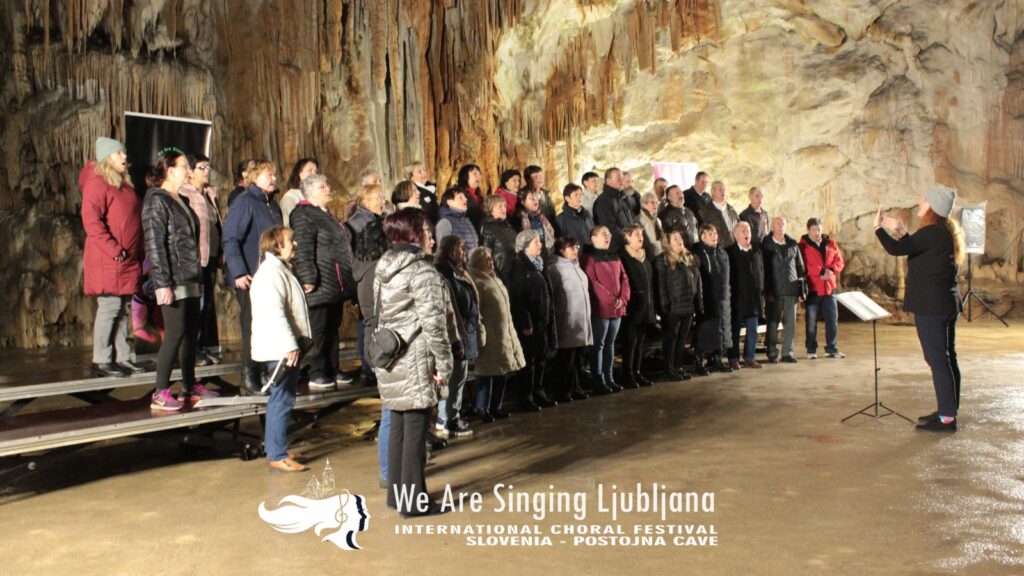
<point>865,411</point>
<point>966,302</point>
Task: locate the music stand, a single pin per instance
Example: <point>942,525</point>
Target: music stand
<point>867,309</point>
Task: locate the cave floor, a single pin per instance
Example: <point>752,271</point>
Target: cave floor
<point>795,491</point>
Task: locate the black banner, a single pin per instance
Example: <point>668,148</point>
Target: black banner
<point>147,134</point>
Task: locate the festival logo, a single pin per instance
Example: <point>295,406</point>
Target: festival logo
<point>341,516</point>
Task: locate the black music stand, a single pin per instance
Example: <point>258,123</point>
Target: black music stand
<point>868,310</point>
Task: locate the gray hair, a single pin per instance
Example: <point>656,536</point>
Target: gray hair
<point>477,255</point>
<point>310,182</point>
<point>524,238</point>
<point>647,197</point>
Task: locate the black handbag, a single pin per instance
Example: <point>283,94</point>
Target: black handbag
<point>385,346</point>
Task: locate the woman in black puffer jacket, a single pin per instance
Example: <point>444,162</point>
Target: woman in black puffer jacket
<point>324,268</point>
<point>498,234</point>
<point>678,288</point>
<point>172,246</point>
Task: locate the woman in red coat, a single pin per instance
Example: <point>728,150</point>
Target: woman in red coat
<point>609,296</point>
<point>112,218</point>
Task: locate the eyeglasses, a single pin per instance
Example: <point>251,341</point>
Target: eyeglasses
<point>203,167</point>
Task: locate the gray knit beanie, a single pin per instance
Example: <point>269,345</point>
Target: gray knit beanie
<point>941,200</point>
<point>107,146</point>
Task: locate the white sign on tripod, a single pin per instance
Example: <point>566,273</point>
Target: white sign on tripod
<point>972,219</point>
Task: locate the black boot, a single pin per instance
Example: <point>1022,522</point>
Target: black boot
<point>601,389</point>
<point>718,366</point>
<point>107,370</point>
<point>251,380</point>
<point>642,381</point>
<point>698,365</point>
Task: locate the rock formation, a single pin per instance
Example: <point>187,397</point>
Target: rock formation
<point>834,107</point>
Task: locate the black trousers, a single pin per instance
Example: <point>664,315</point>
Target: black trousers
<point>181,331</point>
<point>567,372</point>
<point>208,336</point>
<point>407,456</point>
<point>633,353</point>
<point>324,321</point>
<point>245,319</point>
<point>531,377</point>
<point>674,330</point>
<point>938,341</point>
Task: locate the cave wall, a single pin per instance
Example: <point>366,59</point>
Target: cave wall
<point>834,107</point>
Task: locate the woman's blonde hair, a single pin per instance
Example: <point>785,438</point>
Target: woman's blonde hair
<point>110,174</point>
<point>258,166</point>
<point>368,192</point>
<point>671,257</point>
<point>274,239</point>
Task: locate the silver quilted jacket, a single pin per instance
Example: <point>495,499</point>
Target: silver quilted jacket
<point>412,295</point>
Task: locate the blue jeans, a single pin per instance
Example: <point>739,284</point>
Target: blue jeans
<point>938,341</point>
<point>749,340</point>
<point>830,313</point>
<point>383,434</point>
<point>279,410</point>
<point>602,353</point>
<point>448,409</point>
<point>490,392</point>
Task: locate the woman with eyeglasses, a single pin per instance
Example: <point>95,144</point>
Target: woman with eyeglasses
<point>202,198</point>
<point>171,229</point>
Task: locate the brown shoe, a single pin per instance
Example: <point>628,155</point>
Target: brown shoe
<point>734,364</point>
<point>751,364</point>
<point>297,456</point>
<point>287,465</point>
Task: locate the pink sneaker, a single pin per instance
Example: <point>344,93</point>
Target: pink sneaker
<point>200,392</point>
<point>164,400</point>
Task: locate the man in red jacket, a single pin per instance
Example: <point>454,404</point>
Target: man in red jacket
<point>112,218</point>
<point>824,262</point>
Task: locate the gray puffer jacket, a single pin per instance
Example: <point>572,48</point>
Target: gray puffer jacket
<point>412,296</point>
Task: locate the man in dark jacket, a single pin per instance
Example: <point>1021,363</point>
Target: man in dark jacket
<point>676,216</point>
<point>611,209</point>
<point>575,221</point>
<point>720,214</point>
<point>757,216</point>
<point>323,267</point>
<point>746,277</point>
<point>696,196</point>
<point>252,213</point>
<point>783,288</point>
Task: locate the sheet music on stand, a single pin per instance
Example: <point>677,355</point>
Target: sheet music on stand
<point>869,311</point>
<point>862,307</point>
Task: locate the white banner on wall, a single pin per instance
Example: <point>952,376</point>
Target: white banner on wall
<point>972,218</point>
<point>679,173</point>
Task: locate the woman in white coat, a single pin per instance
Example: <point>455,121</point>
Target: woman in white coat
<point>280,331</point>
<point>570,290</point>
